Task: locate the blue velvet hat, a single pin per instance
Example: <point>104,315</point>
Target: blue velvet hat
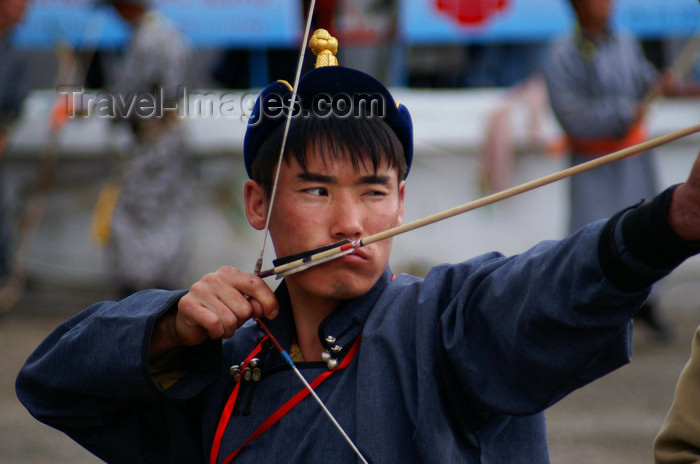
<point>327,91</point>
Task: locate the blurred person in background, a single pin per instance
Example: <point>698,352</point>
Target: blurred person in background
<point>148,239</point>
<point>599,83</point>
<point>678,441</point>
<point>14,87</point>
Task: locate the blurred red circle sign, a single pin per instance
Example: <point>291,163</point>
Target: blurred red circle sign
<point>471,12</point>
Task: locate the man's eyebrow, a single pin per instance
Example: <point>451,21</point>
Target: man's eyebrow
<point>375,179</point>
<point>316,177</point>
<point>307,176</point>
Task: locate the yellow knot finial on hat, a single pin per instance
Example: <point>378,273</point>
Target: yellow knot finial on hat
<point>324,46</point>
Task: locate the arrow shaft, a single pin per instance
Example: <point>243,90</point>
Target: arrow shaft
<point>325,256</point>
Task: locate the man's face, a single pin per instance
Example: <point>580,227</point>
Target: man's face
<point>129,12</point>
<point>593,13</point>
<point>329,202</point>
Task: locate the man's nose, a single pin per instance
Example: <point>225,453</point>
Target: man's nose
<point>347,219</point>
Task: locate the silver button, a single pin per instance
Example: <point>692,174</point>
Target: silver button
<point>330,339</point>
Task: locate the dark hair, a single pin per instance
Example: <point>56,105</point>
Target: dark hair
<point>358,139</point>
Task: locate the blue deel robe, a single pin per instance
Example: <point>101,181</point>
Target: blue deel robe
<point>454,368</point>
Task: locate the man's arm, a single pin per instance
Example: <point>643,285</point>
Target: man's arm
<point>554,299</point>
<point>640,245</point>
<point>92,377</point>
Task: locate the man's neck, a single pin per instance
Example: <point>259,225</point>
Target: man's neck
<point>595,33</point>
<point>308,313</point>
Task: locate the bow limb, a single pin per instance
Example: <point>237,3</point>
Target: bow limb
<point>313,259</point>
<point>287,123</point>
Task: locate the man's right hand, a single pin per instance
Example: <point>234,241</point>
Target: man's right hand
<point>215,307</point>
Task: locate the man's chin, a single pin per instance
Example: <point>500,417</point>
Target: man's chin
<point>343,290</point>
<point>334,287</point>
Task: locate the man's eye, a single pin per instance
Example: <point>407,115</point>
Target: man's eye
<point>318,191</point>
<point>376,193</point>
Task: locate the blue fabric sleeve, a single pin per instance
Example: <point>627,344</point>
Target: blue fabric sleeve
<point>90,378</point>
<point>516,334</point>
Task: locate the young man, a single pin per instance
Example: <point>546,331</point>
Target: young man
<point>456,367</point>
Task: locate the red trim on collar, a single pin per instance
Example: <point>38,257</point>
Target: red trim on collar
<point>275,416</point>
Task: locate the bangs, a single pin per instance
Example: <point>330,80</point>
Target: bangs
<point>361,141</point>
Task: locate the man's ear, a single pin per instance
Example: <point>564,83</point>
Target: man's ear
<point>402,195</point>
<point>255,204</point>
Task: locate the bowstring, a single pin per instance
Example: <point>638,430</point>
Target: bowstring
<point>288,121</point>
